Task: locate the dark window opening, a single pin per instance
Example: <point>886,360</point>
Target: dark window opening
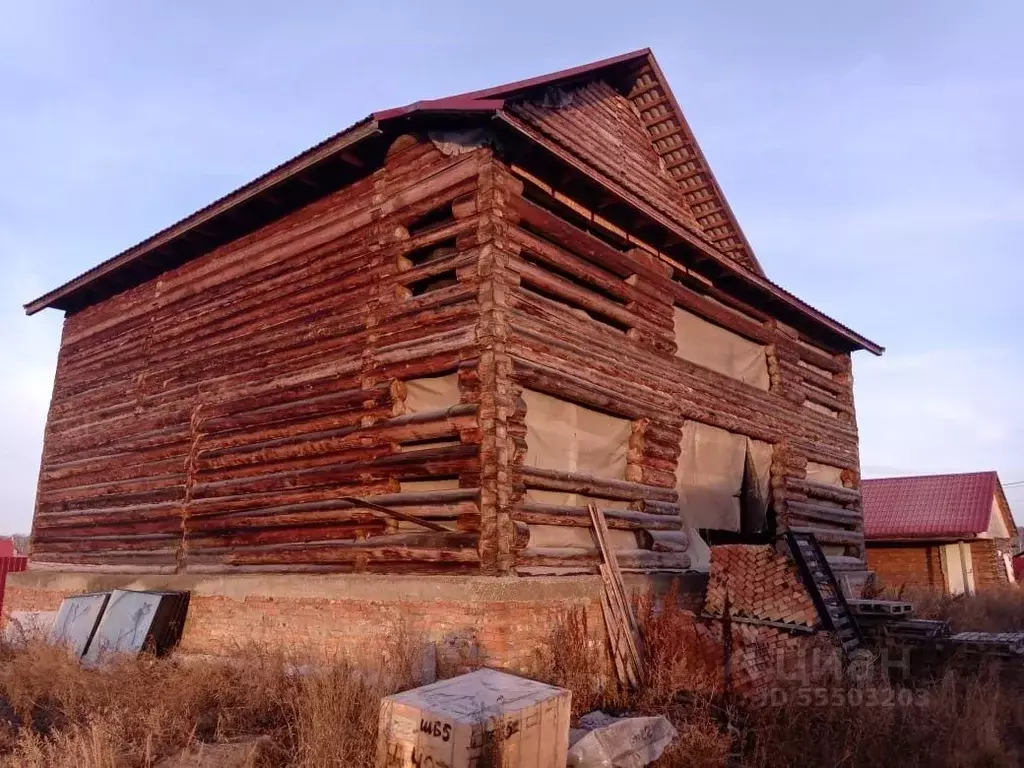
<point>432,252</point>
<point>431,220</point>
<point>434,283</point>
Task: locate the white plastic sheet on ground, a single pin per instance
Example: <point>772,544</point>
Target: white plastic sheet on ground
<point>630,742</point>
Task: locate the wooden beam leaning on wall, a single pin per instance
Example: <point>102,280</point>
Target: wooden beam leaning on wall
<point>620,623</point>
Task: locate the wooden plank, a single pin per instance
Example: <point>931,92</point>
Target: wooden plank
<point>613,584</point>
<point>396,514</point>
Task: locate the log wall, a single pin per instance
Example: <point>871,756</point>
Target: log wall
<point>589,318</point>
<point>212,419</point>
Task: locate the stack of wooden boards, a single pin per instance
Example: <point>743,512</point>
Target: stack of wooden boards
<point>620,621</point>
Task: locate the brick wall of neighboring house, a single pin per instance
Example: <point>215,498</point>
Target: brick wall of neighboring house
<point>987,559</point>
<point>909,567</point>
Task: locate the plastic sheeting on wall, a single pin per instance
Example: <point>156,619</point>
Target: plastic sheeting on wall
<point>433,394</point>
<point>710,478</point>
<point>424,396</point>
<point>824,473</point>
<point>571,536</point>
<point>714,347</point>
<point>567,437</point>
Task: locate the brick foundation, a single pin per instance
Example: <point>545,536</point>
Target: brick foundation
<point>503,622</point>
<point>500,622</point>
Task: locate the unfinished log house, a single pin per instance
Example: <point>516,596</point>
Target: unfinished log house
<point>484,311</point>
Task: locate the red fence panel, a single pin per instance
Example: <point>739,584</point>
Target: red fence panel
<point>14,564</point>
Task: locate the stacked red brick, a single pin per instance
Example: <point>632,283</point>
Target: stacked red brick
<point>764,594</point>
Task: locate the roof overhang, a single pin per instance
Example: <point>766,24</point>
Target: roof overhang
<point>924,538</point>
<point>275,193</point>
<point>260,190</point>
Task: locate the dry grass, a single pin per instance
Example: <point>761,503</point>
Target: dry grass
<point>968,717</point>
<point>992,610</point>
<point>140,712</point>
<point>135,712</point>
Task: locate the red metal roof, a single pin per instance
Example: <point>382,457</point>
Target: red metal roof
<point>928,506</point>
<point>116,273</point>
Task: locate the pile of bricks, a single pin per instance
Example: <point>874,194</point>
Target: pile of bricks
<point>771,623</point>
<point>759,584</point>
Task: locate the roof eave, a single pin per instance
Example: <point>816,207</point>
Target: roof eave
<point>921,538</point>
<point>326,149</point>
<point>751,278</point>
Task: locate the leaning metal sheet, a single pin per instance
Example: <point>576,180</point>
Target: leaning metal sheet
<point>125,624</point>
<point>77,620</point>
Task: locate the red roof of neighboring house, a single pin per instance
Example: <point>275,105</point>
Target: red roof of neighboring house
<point>1018,567</point>
<point>928,506</point>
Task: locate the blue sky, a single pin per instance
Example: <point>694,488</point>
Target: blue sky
<point>870,150</point>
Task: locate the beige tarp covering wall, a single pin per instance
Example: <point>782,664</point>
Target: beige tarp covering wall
<point>720,350</point>
<point>566,536</point>
<point>434,394</point>
<point>824,473</point>
<point>423,396</point>
<point>567,437</point>
<point>710,477</point>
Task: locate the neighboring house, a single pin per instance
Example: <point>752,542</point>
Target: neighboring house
<point>941,533</point>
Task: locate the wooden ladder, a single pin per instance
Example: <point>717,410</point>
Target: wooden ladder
<point>833,610</point>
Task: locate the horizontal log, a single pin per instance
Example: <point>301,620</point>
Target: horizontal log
<point>665,541</point>
<point>655,507</point>
<point>589,485</point>
<point>247,538</point>
<point>72,567</point>
<point>639,559</point>
<point>620,519</point>
<point>824,491</point>
<point>577,241</point>
<point>447,568</point>
<point>832,535</point>
<point>825,513</point>
<point>826,400</point>
<point>398,547</point>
